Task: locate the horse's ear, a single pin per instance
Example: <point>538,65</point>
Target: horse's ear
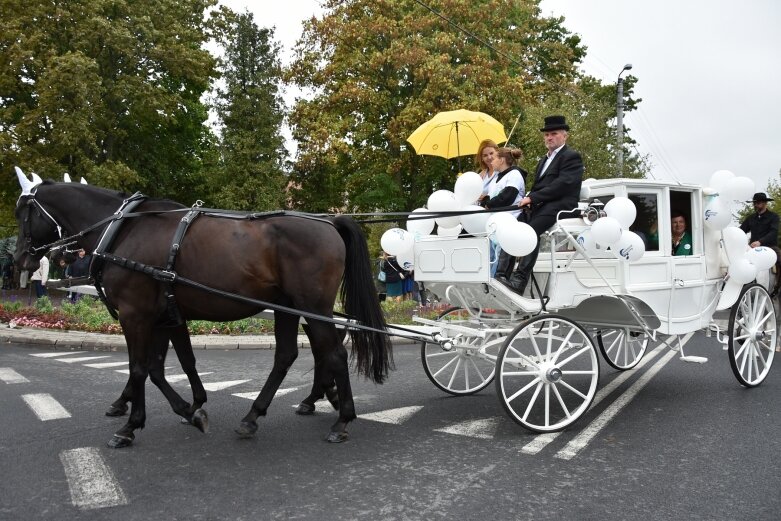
<point>25,183</point>
<point>36,179</point>
<point>66,178</point>
<point>84,181</point>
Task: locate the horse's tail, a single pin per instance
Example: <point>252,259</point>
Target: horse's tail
<point>373,350</point>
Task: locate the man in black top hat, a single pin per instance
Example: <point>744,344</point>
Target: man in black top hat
<point>763,224</point>
<point>556,187</point>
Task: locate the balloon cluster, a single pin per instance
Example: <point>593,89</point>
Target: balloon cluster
<point>745,262</point>
<point>516,238</point>
<point>612,231</point>
<point>726,189</point>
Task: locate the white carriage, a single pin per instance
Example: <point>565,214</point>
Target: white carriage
<point>541,348</point>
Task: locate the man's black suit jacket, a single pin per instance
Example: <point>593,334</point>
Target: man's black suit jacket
<point>559,188</point>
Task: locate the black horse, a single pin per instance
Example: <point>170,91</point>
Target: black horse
<point>285,260</point>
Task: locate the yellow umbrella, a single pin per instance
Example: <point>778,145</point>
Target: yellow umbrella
<point>455,133</point>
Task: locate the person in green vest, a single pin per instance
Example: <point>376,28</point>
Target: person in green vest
<point>682,239</point>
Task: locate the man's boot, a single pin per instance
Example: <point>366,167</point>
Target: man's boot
<point>517,281</point>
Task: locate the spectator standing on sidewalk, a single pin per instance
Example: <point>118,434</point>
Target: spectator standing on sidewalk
<point>40,276</point>
<point>79,268</point>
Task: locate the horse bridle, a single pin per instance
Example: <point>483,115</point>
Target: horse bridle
<point>31,203</point>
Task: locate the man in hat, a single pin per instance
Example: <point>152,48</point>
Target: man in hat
<point>556,187</point>
<point>763,224</point>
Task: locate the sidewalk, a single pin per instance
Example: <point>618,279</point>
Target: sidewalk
<point>70,340</point>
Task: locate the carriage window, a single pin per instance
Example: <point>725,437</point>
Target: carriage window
<point>646,223</point>
<point>681,205</point>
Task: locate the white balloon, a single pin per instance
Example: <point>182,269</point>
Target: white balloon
<point>469,186</point>
<point>444,201</point>
<point>630,246</point>
<point>494,221</point>
<point>474,223</point>
<point>449,232</point>
<point>586,241</point>
<point>606,230</point>
<point>741,270</point>
<point>719,180</point>
<point>623,210</point>
<point>406,260</point>
<point>735,242</point>
<point>397,241</point>
<point>516,238</point>
<point>717,214</point>
<point>420,227</point>
<point>740,189</point>
<point>762,257</point>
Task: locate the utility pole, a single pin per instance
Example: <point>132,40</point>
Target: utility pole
<point>620,120</point>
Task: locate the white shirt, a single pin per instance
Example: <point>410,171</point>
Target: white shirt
<point>548,161</point>
<point>42,273</point>
<point>511,178</point>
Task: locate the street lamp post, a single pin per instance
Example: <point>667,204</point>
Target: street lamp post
<point>620,120</point>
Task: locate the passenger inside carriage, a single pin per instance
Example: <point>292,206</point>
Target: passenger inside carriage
<point>681,237</point>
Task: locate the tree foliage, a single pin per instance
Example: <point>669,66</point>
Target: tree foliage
<point>380,68</point>
<point>105,89</point>
<point>252,153</point>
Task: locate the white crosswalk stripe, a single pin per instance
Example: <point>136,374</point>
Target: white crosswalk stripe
<point>10,376</point>
<point>45,407</point>
<point>106,365</point>
<point>173,378</point>
<point>92,484</point>
<point>320,406</point>
<point>54,355</point>
<point>254,394</point>
<point>484,428</point>
<point>395,416</point>
<point>81,359</point>
<point>218,386</point>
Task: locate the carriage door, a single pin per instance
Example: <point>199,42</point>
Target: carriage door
<point>687,262</point>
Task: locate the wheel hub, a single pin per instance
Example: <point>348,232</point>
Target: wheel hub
<point>550,373</point>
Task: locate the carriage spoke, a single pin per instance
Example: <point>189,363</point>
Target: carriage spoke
<point>536,347</point>
<point>616,344</point>
<point>455,358</point>
<point>455,371</point>
<point>579,372</point>
<point>577,354</point>
<point>561,401</point>
<point>441,353</point>
<point>547,402</point>
<point>522,357</point>
<point>531,402</point>
<point>466,375</point>
<point>523,390</point>
<point>564,342</point>
<point>743,351</point>
<point>477,369</point>
<point>568,386</point>
<point>765,318</point>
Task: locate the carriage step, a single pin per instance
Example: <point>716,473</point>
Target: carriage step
<point>694,359</point>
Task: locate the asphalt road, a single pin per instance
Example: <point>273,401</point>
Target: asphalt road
<point>691,444</point>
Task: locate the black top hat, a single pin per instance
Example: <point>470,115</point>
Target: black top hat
<point>555,123</point>
<point>760,197</point>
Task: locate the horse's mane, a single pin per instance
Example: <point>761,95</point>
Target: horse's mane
<point>114,193</point>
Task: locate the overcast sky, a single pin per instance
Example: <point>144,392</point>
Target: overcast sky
<point>708,73</point>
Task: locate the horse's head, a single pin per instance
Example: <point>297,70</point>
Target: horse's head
<point>36,226</point>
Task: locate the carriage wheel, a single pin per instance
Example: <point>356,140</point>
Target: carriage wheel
<point>469,366</point>
<point>547,373</point>
<point>621,347</point>
<point>752,335</point>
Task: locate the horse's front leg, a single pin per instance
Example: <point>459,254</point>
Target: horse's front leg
<point>139,341</point>
<point>180,338</point>
<point>285,333</point>
<point>119,406</point>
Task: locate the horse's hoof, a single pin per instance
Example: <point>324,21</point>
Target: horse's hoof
<point>118,442</point>
<point>305,409</point>
<point>114,411</point>
<point>201,421</point>
<point>247,429</point>
<point>337,436</point>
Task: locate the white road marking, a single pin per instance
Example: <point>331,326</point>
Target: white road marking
<point>105,365</point>
<point>45,406</point>
<point>91,482</point>
<point>218,386</point>
<point>10,376</point>
<point>81,359</point>
<point>581,440</point>
<point>542,440</point>
<point>485,428</point>
<point>395,416</point>
<point>127,371</point>
<point>320,406</point>
<point>254,394</point>
<point>53,355</point>
<point>172,378</point>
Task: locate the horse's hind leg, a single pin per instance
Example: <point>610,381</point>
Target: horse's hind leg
<point>180,338</point>
<point>325,341</point>
<point>322,385</point>
<point>119,406</point>
<point>285,332</point>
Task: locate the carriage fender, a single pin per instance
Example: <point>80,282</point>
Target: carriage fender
<point>614,310</point>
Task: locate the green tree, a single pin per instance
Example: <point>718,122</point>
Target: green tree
<point>380,68</point>
<point>105,89</point>
<point>252,153</point>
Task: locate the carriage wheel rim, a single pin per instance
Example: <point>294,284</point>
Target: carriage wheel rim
<point>752,336</point>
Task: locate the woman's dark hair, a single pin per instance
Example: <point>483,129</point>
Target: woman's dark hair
<point>510,155</point>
